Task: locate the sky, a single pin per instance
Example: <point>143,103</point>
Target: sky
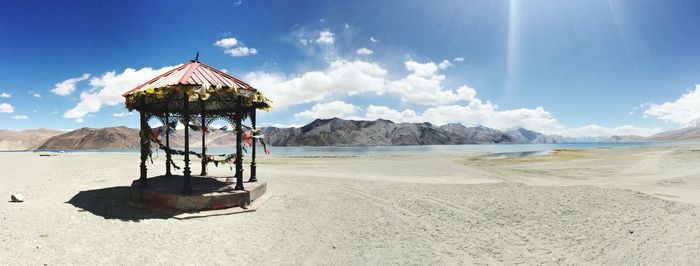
<point>572,68</point>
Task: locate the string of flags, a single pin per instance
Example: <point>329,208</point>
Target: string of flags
<point>248,136</point>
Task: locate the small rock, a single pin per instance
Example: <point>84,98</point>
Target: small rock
<point>630,231</point>
<point>16,198</point>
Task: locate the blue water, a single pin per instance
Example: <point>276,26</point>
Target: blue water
<point>507,150</point>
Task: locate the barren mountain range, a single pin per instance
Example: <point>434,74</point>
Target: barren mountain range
<point>321,132</point>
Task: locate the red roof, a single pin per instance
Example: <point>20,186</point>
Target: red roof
<point>193,73</point>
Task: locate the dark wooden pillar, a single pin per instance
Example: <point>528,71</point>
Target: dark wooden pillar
<point>187,188</point>
<point>144,132</point>
<point>204,143</point>
<point>167,144</point>
<point>239,148</point>
<point>253,178</point>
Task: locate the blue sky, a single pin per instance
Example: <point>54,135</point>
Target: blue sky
<point>584,68</point>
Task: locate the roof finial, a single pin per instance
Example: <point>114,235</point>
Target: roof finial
<point>196,57</point>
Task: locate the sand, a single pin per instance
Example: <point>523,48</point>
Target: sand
<point>634,205</point>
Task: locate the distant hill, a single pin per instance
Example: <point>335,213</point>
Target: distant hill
<point>627,138</point>
<point>682,134</point>
<point>25,140</point>
<point>94,138</point>
<point>340,132</point>
<point>320,132</point>
<point>522,135</point>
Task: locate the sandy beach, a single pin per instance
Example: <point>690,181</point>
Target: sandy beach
<point>632,205</point>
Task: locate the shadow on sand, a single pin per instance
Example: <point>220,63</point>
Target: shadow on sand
<point>113,203</point>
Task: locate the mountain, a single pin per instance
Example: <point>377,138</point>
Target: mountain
<point>340,132</point>
<point>626,138</point>
<point>479,134</point>
<point>522,135</point>
<point>320,132</point>
<point>94,138</point>
<point>25,140</point>
<point>682,134</point>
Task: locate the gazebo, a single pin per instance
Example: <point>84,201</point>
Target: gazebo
<point>195,94</point>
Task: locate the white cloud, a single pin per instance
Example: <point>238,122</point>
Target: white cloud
<point>382,112</point>
<point>67,87</point>
<point>6,108</point>
<point>597,131</point>
<point>108,89</point>
<point>444,64</point>
<point>332,109</point>
<point>35,95</point>
<point>5,95</point>
<point>340,78</point>
<point>20,117</point>
<point>487,114</point>
<point>347,26</point>
<point>226,42</point>
<point>304,41</point>
<point>372,39</point>
<point>79,120</point>
<point>241,51</point>
<point>364,51</point>
<point>235,48</point>
<point>682,111</point>
<point>458,59</point>
<point>123,114</point>
<point>326,37</point>
<point>425,86</point>
<point>280,125</point>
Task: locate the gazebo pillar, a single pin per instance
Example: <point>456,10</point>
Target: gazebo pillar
<point>238,117</point>
<point>167,144</point>
<point>204,143</point>
<point>143,181</point>
<point>187,188</point>
<point>253,178</point>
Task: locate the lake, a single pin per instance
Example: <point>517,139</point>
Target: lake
<point>496,150</point>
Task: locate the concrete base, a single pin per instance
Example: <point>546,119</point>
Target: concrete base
<point>208,193</point>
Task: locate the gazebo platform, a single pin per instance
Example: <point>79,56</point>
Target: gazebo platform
<point>208,193</point>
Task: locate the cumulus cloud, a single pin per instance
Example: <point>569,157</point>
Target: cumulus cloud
<point>683,110</point>
<point>425,85</point>
<point>458,59</point>
<point>326,37</point>
<point>35,94</point>
<point>5,95</point>
<point>6,108</point>
<point>332,109</point>
<point>108,89</point>
<point>364,51</point>
<point>226,42</point>
<point>67,87</point>
<point>340,78</point>
<point>123,114</point>
<point>234,47</point>
<point>444,64</point>
<point>372,39</point>
<point>20,117</point>
<point>487,114</point>
<point>241,51</point>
